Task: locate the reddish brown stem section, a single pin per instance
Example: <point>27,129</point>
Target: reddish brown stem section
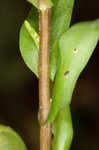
<point>44,95</point>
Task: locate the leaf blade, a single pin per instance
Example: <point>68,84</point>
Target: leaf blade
<point>63,130</point>
<point>33,2</point>
<point>28,48</point>
<point>10,140</point>
<point>32,19</point>
<point>83,37</point>
<point>60,21</point>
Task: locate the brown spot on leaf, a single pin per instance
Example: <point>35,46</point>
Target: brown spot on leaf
<point>66,73</point>
<point>75,50</point>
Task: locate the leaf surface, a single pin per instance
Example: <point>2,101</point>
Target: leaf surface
<point>76,47</point>
<point>33,2</point>
<point>29,49</point>
<point>63,130</point>
<point>10,140</point>
<point>61,14</point>
<point>60,21</point>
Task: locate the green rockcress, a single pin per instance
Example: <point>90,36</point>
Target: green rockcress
<point>70,51</point>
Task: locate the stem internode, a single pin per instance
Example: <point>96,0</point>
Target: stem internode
<point>44,87</point>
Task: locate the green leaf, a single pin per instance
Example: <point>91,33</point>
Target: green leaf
<point>10,140</point>
<point>33,2</point>
<point>28,41</point>
<point>76,47</point>
<point>60,20</point>
<point>50,3</point>
<point>63,131</point>
<point>61,14</point>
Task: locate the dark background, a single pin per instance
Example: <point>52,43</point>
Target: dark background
<point>19,87</point>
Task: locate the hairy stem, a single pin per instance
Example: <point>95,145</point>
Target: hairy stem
<point>44,94</point>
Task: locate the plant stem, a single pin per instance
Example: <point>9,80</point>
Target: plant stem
<point>44,91</point>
